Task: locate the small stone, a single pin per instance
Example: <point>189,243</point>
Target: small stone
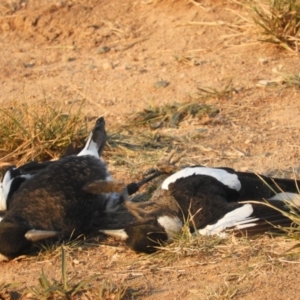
<point>103,49</point>
<point>263,60</point>
<point>263,83</point>
<point>161,84</point>
<point>106,66</point>
<point>75,261</point>
<point>29,65</point>
<point>5,26</point>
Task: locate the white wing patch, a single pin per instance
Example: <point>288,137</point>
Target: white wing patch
<point>238,218</point>
<point>228,179</point>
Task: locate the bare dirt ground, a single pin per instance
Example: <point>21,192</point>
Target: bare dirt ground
<point>111,53</point>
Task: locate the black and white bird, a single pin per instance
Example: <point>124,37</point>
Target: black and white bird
<point>56,200</point>
<point>14,176</point>
<point>213,200</point>
<point>59,198</point>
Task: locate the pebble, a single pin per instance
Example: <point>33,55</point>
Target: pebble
<point>103,49</point>
<point>107,66</point>
<point>161,84</point>
<point>263,60</point>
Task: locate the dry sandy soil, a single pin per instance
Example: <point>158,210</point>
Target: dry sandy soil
<point>56,52</point>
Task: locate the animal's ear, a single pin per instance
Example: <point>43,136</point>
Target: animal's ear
<point>117,233</point>
<point>143,210</point>
<point>37,235</point>
<point>103,186</point>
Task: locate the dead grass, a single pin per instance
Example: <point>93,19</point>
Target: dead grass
<point>32,132</point>
<point>225,92</point>
<point>278,21</point>
<point>293,80</point>
<point>66,288</point>
<point>171,115</point>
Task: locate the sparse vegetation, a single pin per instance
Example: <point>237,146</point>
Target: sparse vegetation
<point>29,132</point>
<point>171,115</point>
<point>292,80</point>
<point>257,130</point>
<point>62,289</point>
<point>225,92</point>
<point>279,22</point>
<point>187,244</point>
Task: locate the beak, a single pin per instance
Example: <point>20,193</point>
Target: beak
<point>117,233</point>
<point>36,235</point>
<point>103,186</point>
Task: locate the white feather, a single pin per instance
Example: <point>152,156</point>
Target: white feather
<point>172,225</point>
<point>6,183</point>
<point>117,233</point>
<point>286,196</point>
<point>234,218</point>
<point>5,188</point>
<point>3,205</point>
<point>246,226</point>
<point>7,177</point>
<point>231,180</point>
<point>90,148</point>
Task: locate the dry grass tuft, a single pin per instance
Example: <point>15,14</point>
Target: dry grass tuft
<point>187,245</point>
<point>32,132</point>
<point>279,22</point>
<point>225,92</point>
<point>292,80</point>
<point>171,115</point>
<point>63,289</point>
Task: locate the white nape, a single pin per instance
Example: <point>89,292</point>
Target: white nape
<point>172,225</point>
<point>228,179</point>
<point>90,148</point>
<point>238,218</point>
